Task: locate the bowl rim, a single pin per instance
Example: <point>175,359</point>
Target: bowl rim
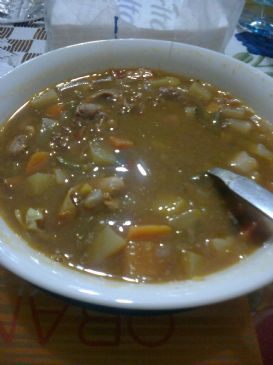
<point>149,296</point>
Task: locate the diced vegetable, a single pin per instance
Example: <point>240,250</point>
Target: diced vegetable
<point>106,243</point>
<point>267,125</point>
<point>110,184</point>
<point>37,162</point>
<point>262,151</point>
<point>101,155</point>
<point>55,110</point>
<point>234,113</point>
<point>120,143</point>
<point>192,263</point>
<point>85,189</point>
<point>39,182</point>
<point>242,126</point>
<point>244,163</point>
<point>33,217</point>
<point>148,232</point>
<point>93,199</point>
<point>42,138</point>
<point>200,92</point>
<point>213,107</point>
<point>61,176</point>
<point>222,244</point>
<point>68,209</point>
<point>165,81</point>
<point>45,98</point>
<point>190,111</point>
<point>19,216</point>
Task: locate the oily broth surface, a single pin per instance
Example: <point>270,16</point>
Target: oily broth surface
<point>176,135</point>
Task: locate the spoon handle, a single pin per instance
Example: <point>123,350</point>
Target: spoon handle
<point>250,191</point>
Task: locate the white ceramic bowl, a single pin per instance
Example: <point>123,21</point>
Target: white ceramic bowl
<point>253,87</point>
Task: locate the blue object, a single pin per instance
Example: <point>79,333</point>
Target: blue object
<point>257,17</point>
<point>256,44</point>
<point>116,27</point>
<point>265,2</point>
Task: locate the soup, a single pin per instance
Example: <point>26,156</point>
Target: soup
<point>105,174</point>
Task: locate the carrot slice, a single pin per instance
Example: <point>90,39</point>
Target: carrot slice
<point>148,232</point>
<point>37,162</point>
<point>118,142</point>
<point>55,110</point>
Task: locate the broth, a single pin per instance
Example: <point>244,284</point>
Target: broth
<point>105,173</point>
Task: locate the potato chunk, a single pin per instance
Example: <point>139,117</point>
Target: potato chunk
<point>39,182</point>
<point>244,163</point>
<point>200,92</point>
<point>192,263</point>
<point>106,243</point>
<point>45,98</point>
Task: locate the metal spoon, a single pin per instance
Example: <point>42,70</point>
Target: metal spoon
<point>259,198</point>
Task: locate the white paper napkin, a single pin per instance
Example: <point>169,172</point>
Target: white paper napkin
<point>207,23</point>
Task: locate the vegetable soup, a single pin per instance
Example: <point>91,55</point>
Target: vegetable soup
<point>106,174</point>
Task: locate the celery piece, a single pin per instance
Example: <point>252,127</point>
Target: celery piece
<point>61,176</point>
<point>165,81</point>
<point>44,99</point>
<point>200,92</point>
<point>101,156</point>
<point>186,220</point>
<point>234,113</point>
<point>93,199</point>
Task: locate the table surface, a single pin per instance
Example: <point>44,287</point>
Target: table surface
<point>38,328</point>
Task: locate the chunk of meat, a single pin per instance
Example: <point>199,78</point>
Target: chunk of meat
<point>87,111</point>
<point>60,141</point>
<point>112,203</point>
<point>111,184</point>
<point>68,208</point>
<point>18,144</point>
<point>93,199</point>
